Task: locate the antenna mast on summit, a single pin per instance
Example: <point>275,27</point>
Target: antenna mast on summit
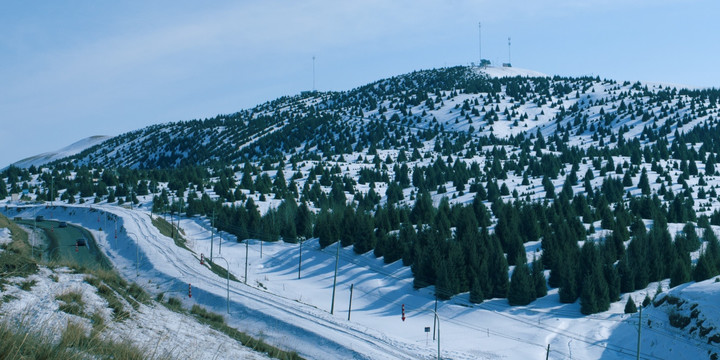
<point>509,58</point>
<point>313,73</point>
<point>480,43</point>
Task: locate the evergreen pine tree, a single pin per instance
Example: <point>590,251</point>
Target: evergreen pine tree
<point>630,307</point>
<point>588,301</point>
<point>521,291</point>
<point>680,273</point>
<point>476,293</point>
<point>646,301</point>
<point>644,183</point>
<point>549,187</point>
<point>539,278</point>
<point>704,269</point>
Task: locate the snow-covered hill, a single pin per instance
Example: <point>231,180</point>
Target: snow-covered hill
<point>496,72</point>
<point>69,150</point>
<point>597,189</point>
<point>295,313</point>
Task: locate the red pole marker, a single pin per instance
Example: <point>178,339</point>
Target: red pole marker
<point>403,312</point>
<point>202,259</point>
<point>77,248</point>
<point>190,290</point>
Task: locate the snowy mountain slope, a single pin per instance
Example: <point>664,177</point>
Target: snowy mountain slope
<point>295,312</point>
<point>69,150</point>
<point>454,102</point>
<point>495,71</point>
<point>157,331</point>
<point>573,172</point>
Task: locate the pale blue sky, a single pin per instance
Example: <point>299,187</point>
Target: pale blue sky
<point>69,70</point>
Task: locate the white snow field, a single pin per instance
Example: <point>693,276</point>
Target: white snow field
<point>70,150</point>
<point>295,314</point>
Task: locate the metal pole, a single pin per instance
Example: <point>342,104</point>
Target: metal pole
<point>246,259</point>
<point>639,331</point>
<point>228,282</point>
<point>32,253</point>
<point>212,234</point>
<point>337,258</point>
<point>137,254</point>
<point>313,73</point>
<point>350,306</point>
<point>438,327</point>
<point>437,319</point>
<point>480,44</point>
<point>300,261</point>
<point>547,354</point>
<point>436,301</point>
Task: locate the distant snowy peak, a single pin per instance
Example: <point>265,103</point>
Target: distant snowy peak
<point>69,150</point>
<point>499,72</point>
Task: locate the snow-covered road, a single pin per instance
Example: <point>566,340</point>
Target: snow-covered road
<point>294,313</point>
<point>165,267</point>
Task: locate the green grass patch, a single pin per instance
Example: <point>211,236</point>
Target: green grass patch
<point>74,343</point>
<point>207,317</point>
<point>16,260</point>
<point>27,284</point>
<point>109,285</point>
<point>170,231</point>
<point>72,303</point>
<point>138,293</point>
<point>133,293</point>
<point>217,322</point>
<point>174,304</point>
<point>221,271</point>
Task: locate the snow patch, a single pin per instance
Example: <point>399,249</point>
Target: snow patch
<point>499,72</point>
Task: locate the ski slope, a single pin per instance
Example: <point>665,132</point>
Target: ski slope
<point>295,314</point>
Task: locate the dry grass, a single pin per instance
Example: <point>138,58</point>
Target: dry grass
<point>76,342</point>
<point>72,302</point>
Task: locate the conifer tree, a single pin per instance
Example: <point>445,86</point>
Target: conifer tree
<point>476,292</point>
<point>630,307</point>
<point>522,290</point>
<point>539,278</point>
<point>588,300</point>
<point>644,183</point>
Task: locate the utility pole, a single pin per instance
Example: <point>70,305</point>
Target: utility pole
<point>337,258</point>
<point>639,331</point>
<point>32,250</point>
<point>246,259</point>
<point>228,282</point>
<point>302,239</point>
<point>172,228</point>
<point>212,234</point>
<point>350,306</point>
<point>436,301</point>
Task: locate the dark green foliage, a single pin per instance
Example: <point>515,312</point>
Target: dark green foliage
<point>538,278</point>
<point>630,307</point>
<point>522,288</point>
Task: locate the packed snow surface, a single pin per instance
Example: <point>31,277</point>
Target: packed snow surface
<point>70,150</point>
<point>294,313</point>
<point>498,72</point>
